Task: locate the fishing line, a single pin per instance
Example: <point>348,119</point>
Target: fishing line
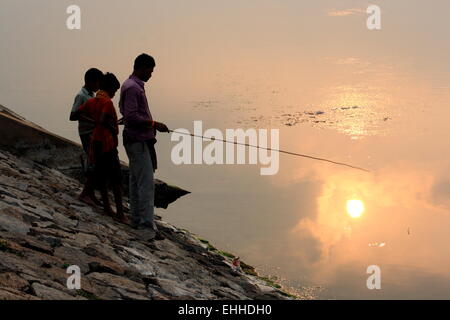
<point>270,149</point>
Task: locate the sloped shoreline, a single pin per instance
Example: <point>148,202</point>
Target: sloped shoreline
<point>44,229</point>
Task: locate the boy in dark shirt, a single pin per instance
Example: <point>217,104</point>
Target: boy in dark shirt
<point>85,128</point>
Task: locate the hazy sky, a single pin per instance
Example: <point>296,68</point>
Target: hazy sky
<point>43,62</point>
<point>261,63</point>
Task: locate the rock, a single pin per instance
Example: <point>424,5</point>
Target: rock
<point>13,281</point>
<point>114,281</point>
<point>155,294</point>
<point>52,241</point>
<point>50,232</point>
<point>166,194</point>
<point>49,293</point>
<point>99,265</point>
<point>36,245</point>
<point>126,295</point>
<point>104,252</point>
<point>44,214</point>
<point>13,224</point>
<point>228,294</point>
<point>73,256</point>
<point>42,224</point>
<point>55,279</point>
<point>12,294</point>
<point>11,262</point>
<point>66,222</point>
<point>47,265</point>
<point>172,288</point>
<point>85,239</point>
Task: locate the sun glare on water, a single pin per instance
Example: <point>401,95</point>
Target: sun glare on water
<point>355,208</point>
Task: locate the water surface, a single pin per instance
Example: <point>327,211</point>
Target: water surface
<point>375,99</point>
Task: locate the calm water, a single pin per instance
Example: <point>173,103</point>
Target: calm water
<point>295,224</point>
<point>378,100</point>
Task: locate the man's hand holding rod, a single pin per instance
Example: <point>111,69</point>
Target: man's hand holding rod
<point>159,126</point>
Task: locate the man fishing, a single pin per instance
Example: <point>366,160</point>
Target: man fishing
<point>139,141</point>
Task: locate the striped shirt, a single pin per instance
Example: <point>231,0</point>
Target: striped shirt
<point>83,96</point>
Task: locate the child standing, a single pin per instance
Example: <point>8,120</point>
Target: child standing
<point>85,128</point>
<point>103,152</point>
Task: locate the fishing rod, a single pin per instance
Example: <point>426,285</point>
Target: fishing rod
<point>120,122</point>
<point>270,149</point>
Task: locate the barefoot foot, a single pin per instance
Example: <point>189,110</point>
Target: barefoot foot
<point>87,200</point>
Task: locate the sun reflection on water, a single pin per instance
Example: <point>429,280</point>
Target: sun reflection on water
<point>355,208</point>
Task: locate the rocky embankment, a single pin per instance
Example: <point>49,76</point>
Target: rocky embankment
<point>44,229</point>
